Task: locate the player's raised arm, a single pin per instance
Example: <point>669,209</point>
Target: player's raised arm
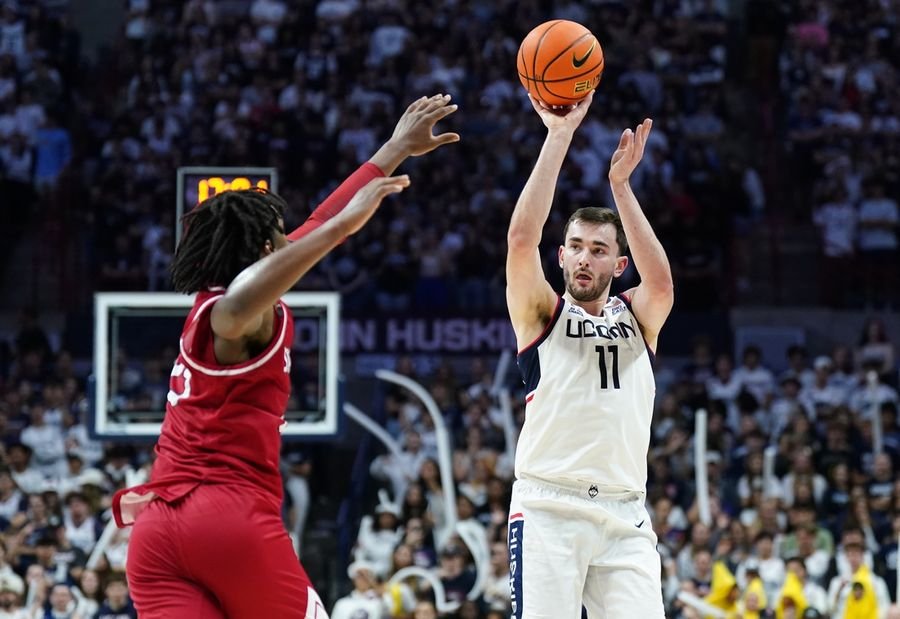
<point>530,298</point>
<point>413,136</point>
<point>652,299</point>
<point>257,288</point>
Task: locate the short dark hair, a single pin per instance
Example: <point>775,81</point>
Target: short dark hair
<point>75,496</point>
<point>796,349</point>
<point>28,451</point>
<point>600,215</point>
<point>223,236</point>
<point>114,577</point>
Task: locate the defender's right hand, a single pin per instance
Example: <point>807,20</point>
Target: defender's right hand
<point>367,200</point>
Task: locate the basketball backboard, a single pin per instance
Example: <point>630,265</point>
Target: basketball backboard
<point>136,343</point>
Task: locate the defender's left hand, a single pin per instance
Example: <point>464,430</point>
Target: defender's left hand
<point>414,131</point>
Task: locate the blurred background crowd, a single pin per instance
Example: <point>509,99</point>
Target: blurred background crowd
<point>771,177</point>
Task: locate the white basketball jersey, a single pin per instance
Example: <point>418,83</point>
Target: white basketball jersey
<point>589,403</point>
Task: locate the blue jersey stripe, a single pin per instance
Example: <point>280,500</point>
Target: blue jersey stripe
<point>528,361</point>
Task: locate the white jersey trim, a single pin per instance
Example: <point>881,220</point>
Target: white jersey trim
<point>273,347</point>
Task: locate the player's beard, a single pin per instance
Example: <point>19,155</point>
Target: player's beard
<point>599,282</point>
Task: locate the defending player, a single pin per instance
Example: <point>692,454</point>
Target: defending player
<point>208,539</point>
<point>579,532</point>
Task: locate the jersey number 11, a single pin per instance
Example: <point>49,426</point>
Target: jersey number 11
<point>605,369</point>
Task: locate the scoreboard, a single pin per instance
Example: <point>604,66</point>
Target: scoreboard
<point>196,184</point>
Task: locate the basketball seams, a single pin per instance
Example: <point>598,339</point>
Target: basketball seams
<point>600,66</point>
<point>550,62</point>
<point>565,79</point>
<point>537,50</point>
<point>542,37</point>
<point>525,67</point>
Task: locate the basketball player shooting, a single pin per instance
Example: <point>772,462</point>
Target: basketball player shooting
<point>579,533</point>
<point>208,539</point>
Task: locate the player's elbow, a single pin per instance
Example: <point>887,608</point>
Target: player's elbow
<point>519,240</point>
<point>665,287</point>
<point>660,290</point>
<point>659,282</point>
<point>664,292</point>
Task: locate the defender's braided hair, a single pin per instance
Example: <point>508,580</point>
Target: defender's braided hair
<point>223,236</point>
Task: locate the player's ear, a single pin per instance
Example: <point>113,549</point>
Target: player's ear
<point>621,265</point>
<point>559,254</point>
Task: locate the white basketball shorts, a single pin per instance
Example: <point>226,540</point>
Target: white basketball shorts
<point>570,547</point>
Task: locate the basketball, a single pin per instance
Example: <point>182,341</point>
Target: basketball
<point>560,62</point>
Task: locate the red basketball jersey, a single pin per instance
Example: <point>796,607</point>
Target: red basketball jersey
<point>222,423</point>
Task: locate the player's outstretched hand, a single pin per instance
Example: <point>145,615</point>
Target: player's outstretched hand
<point>562,118</point>
<point>414,132</point>
<point>368,199</point>
<point>629,152</point>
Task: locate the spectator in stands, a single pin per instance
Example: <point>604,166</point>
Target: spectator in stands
<point>699,540</point>
<point>117,605</point>
<point>861,586</point>
<point>401,469</point>
<point>879,218</point>
<point>82,529</point>
<point>798,365</point>
<point>297,494</point>
<point>875,346</point>
<point>754,377</point>
<point>836,219</point>
<point>815,595</point>
<point>377,538</point>
<point>497,593</point>
<point>417,539</point>
<point>763,564</point>
<point>425,610</point>
<point>89,594</point>
<point>11,596</point>
<point>46,441</point>
<point>364,600</point>
<point>53,152</point>
<point>454,572</point>
<point>871,391</point>
<point>823,395</point>
<point>725,386</point>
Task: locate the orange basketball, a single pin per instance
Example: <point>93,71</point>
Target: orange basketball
<point>560,62</point>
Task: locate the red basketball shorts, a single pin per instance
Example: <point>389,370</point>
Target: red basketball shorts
<point>221,551</point>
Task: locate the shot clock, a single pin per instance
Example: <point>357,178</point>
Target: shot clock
<point>196,184</point>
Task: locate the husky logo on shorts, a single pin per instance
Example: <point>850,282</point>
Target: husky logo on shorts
<point>593,491</point>
<point>516,529</point>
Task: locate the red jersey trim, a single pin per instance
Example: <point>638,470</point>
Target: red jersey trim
<point>247,366</point>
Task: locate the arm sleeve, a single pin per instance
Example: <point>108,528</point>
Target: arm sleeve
<point>338,199</point>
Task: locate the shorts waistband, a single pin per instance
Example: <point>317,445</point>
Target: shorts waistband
<point>587,489</point>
